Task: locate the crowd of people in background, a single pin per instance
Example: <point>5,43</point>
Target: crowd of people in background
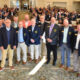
<point>40,35</point>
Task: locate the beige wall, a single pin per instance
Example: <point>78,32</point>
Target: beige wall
<point>69,4</point>
<point>3,2</point>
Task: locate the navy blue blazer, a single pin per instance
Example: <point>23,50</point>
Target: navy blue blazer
<point>34,35</point>
<point>4,39</point>
<point>25,36</point>
<point>69,36</point>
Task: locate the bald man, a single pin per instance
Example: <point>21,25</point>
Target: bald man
<point>7,43</point>
<point>65,43</point>
<point>52,35</point>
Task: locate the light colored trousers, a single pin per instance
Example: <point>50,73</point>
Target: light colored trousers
<point>0,55</point>
<point>34,50</point>
<point>76,62</point>
<point>4,55</point>
<point>43,50</point>
<point>23,47</point>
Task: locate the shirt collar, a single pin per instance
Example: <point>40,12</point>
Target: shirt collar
<point>8,29</point>
<point>21,28</point>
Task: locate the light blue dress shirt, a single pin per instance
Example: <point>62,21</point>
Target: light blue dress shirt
<point>65,34</point>
<point>20,35</point>
<point>33,28</point>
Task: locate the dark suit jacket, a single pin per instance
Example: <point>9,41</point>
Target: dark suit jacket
<point>79,49</point>
<point>54,34</point>
<point>42,27</point>
<point>69,36</point>
<point>34,35</point>
<point>25,36</point>
<point>4,39</point>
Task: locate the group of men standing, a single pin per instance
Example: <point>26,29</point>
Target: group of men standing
<point>39,38</point>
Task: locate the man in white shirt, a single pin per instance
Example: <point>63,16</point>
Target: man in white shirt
<point>76,63</point>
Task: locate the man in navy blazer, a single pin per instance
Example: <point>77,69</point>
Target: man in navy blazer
<point>23,42</point>
<point>52,36</point>
<point>1,26</point>
<point>34,33</point>
<point>7,43</point>
<point>65,43</point>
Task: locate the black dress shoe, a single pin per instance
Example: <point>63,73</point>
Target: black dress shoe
<point>0,61</point>
<point>47,62</point>
<point>54,63</point>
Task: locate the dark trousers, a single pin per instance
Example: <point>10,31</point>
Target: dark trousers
<point>52,48</point>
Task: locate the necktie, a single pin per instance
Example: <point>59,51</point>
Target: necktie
<point>50,30</point>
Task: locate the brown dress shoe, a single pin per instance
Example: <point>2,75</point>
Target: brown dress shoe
<point>12,67</point>
<point>30,60</point>
<point>36,61</point>
<point>17,62</point>
<point>24,62</point>
<point>61,66</point>
<point>68,69</point>
<point>78,74</point>
<point>1,69</point>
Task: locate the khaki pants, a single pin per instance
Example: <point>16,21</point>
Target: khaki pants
<point>34,50</point>
<point>4,55</point>
<point>43,50</point>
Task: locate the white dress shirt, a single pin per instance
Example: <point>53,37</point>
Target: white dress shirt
<point>77,42</point>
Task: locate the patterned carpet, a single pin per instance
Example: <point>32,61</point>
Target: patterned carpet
<point>46,72</point>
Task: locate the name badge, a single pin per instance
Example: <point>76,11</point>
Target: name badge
<point>76,34</point>
<point>39,25</point>
<point>24,34</point>
<point>48,26</point>
<point>62,31</point>
<point>36,32</point>
<point>70,33</point>
<point>55,30</point>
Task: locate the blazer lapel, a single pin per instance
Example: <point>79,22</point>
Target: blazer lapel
<point>76,36</point>
<point>11,33</point>
<point>5,32</point>
<point>34,29</point>
<point>52,30</point>
<point>62,32</point>
<point>69,33</point>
